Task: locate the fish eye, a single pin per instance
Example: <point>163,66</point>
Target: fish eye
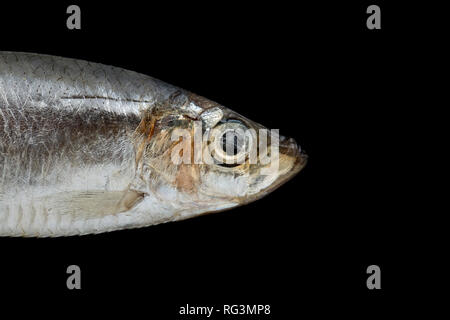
<point>231,143</point>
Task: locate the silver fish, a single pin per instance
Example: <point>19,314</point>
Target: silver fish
<point>87,148</point>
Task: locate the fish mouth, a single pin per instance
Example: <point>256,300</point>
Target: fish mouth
<point>291,152</point>
<point>294,157</point>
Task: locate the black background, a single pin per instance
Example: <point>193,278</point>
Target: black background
<point>314,71</point>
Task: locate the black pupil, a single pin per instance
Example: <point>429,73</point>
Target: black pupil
<point>230,143</point>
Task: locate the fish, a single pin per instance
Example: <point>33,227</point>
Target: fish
<point>87,148</point>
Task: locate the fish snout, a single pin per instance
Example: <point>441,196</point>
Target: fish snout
<point>288,147</point>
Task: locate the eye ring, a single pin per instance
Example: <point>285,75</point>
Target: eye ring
<point>227,152</point>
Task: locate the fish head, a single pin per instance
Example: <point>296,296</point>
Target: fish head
<point>249,160</point>
<point>203,157</point>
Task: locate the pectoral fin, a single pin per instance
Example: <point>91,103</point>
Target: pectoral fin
<point>93,204</point>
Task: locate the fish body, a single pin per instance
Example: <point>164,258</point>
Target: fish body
<point>88,148</point>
